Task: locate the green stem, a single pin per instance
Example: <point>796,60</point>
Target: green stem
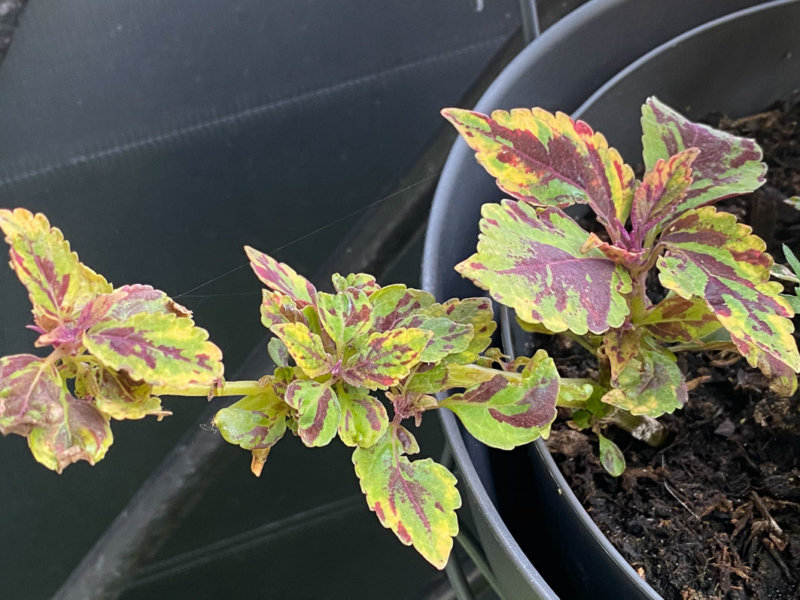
<point>229,388</point>
<point>582,341</point>
<point>641,427</point>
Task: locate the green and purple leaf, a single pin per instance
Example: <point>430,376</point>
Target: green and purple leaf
<point>317,411</point>
<point>345,315</point>
<point>115,394</point>
<point>505,414</point>
<point>157,348</point>
<point>58,284</point>
<point>305,348</point>
<point>726,166</point>
<point>713,257</point>
<point>611,456</point>
<point>34,403</point>
<point>359,281</point>
<point>677,319</point>
<point>645,377</point>
<point>255,422</point>
<point>662,190</point>
<point>448,337</point>
<point>533,260</point>
<point>393,303</point>
<point>364,419</point>
<point>278,352</point>
<point>416,500</point>
<point>550,160</point>
<point>281,277</point>
<point>385,358</point>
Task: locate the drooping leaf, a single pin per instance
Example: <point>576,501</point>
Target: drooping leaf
<point>58,284</point>
<point>677,319</point>
<point>255,422</point>
<point>345,315</point>
<point>158,348</point>
<point>360,281</point>
<point>364,419</point>
<point>281,277</point>
<point>504,414</point>
<point>645,377</point>
<point>611,456</point>
<point>416,500</point>
<point>662,189</point>
<point>317,409</point>
<point>385,357</point>
<point>711,256</point>
<point>531,259</point>
<point>726,166</point>
<point>116,394</point>
<point>35,404</point>
<point>550,160</point>
<point>304,347</point>
<point>393,303</point>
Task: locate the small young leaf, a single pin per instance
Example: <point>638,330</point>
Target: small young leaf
<point>550,160</point>
<point>393,303</point>
<point>713,257</point>
<point>255,422</point>
<point>281,277</point>
<point>359,281</point>
<point>677,319</point>
<point>160,349</point>
<point>661,191</point>
<point>448,337</point>
<point>58,284</point>
<point>726,166</point>
<point>385,358</point>
<point>278,352</point>
<point>792,260</point>
<point>305,348</point>
<point>364,419</point>
<point>611,456</point>
<point>645,376</point>
<point>278,309</point>
<point>318,411</point>
<point>477,312</point>
<point>503,414</point>
<point>115,394</point>
<point>35,404</point>
<point>417,500</point>
<point>532,259</point>
<point>345,315</point>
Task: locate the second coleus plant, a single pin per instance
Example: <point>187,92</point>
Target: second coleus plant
<point>535,258</point>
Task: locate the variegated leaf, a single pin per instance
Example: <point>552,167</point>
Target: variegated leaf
<point>393,303</point>
<point>505,414</point>
<point>476,312</point>
<point>255,422</point>
<point>34,403</point>
<point>158,348</point>
<point>645,377</point>
<point>661,191</point>
<point>611,456</point>
<point>58,284</point>
<point>344,315</point>
<point>281,277</point>
<point>416,500</point>
<point>448,337</point>
<point>364,419</point>
<point>385,357</point>
<point>304,347</point>
<point>360,281</point>
<point>550,160</point>
<point>711,256</point>
<point>115,394</point>
<point>278,309</point>
<point>278,352</point>
<point>317,411</point>
<point>726,166</point>
<point>412,404</point>
<point>677,319</point>
<point>532,260</point>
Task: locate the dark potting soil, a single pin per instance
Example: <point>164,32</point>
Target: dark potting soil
<point>715,512</point>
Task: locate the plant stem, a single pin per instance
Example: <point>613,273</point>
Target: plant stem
<point>642,427</point>
<point>228,388</point>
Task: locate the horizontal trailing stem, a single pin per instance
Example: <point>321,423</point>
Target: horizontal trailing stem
<point>228,388</point>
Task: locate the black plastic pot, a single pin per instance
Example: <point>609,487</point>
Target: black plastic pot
<point>697,72</point>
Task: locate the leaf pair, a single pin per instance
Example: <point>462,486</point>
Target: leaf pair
<point>116,344</point>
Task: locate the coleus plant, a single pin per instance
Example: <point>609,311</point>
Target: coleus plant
<point>342,357</point>
<point>559,278</point>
